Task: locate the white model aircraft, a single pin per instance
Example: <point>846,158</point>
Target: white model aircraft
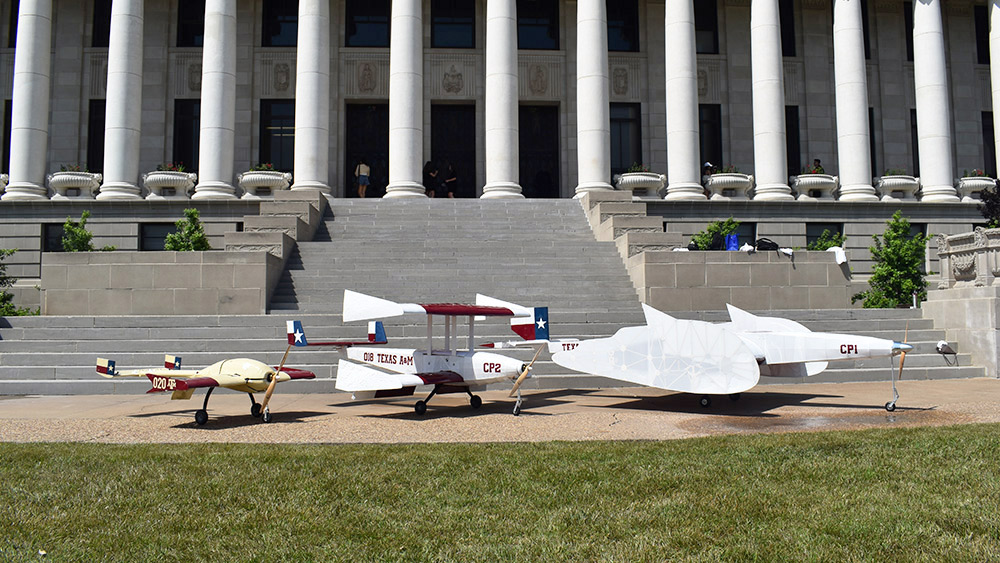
<point>370,372</point>
<point>714,359</point>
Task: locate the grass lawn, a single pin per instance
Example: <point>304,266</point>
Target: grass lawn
<point>909,494</point>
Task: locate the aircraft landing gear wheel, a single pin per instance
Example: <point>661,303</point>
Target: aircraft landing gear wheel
<point>890,406</point>
<point>266,415</point>
<point>420,407</point>
<point>255,410</point>
<point>705,401</point>
<point>476,401</point>
<point>734,397</point>
<point>200,417</point>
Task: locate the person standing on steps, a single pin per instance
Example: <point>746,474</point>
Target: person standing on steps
<point>450,180</point>
<point>361,174</point>
<point>430,178</point>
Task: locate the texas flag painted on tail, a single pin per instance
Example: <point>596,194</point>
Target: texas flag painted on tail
<point>535,327</point>
<point>296,335</point>
<point>172,362</point>
<point>105,367</point>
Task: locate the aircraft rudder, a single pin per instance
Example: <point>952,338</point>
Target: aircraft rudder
<point>296,334</point>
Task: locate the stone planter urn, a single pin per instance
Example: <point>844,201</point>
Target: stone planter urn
<point>897,187</point>
<point>815,187</point>
<point>168,184</point>
<point>258,184</point>
<point>643,185</point>
<point>724,186</point>
<point>970,188</point>
<point>74,185</point>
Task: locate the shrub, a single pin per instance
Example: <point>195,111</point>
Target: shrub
<point>190,234</point>
<point>898,271</point>
<point>76,237</point>
<point>990,207</point>
<point>827,240</point>
<point>704,239</point>
<point>262,166</point>
<point>7,307</point>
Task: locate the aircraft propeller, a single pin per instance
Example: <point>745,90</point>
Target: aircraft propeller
<point>266,414</point>
<point>524,374</point>
<point>903,347</point>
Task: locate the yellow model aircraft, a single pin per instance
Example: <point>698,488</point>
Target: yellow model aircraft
<point>240,374</point>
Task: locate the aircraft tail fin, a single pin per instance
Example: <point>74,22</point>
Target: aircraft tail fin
<point>376,333</point>
<point>296,334</point>
<point>106,367</point>
<point>535,327</point>
<point>172,362</point>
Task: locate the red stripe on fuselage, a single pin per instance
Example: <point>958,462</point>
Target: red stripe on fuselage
<point>458,309</point>
<point>439,377</point>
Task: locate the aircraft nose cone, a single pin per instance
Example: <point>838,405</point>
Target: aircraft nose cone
<point>901,347</point>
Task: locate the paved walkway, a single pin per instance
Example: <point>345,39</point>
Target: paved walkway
<point>606,414</point>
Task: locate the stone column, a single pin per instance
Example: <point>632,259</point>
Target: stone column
<point>218,102</point>
<point>853,147</point>
<point>122,126</point>
<point>683,141</point>
<point>995,69</point>
<point>769,151</point>
<point>312,97</point>
<point>406,101</point>
<point>930,80</point>
<point>593,110</point>
<point>502,161</point>
<point>29,131</point>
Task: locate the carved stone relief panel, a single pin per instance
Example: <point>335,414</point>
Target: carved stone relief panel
<point>185,74</point>
<point>624,73</point>
<point>7,74</point>
<point>984,87</point>
<point>540,77</point>
<point>366,75</point>
<point>275,75</point>
<point>793,82</point>
<point>454,76</point>
<point>98,75</point>
<point>709,81</point>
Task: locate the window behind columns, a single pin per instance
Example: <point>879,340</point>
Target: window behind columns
<point>706,26</point>
<point>7,112</point>
<point>710,131</point>
<point>12,24</point>
<point>865,29</point>
<point>280,23</point>
<point>793,150</point>
<point>191,23</point>
<point>871,140</point>
<point>989,145</point>
<point>101,30</point>
<point>623,25</point>
<point>367,23</point>
<point>908,23</point>
<point>187,133</point>
<point>982,18</point>
<point>915,142</point>
<point>453,24</point>
<point>277,133</point>
<point>626,137</point>
<point>537,24</point>
<point>95,136</point>
<point>786,11</point>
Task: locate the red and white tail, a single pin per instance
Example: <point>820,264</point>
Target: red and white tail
<point>172,362</point>
<point>106,367</point>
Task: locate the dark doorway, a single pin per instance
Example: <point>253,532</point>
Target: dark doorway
<point>367,137</point>
<point>538,145</point>
<point>453,140</point>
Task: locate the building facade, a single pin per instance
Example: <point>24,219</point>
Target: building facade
<point>532,98</point>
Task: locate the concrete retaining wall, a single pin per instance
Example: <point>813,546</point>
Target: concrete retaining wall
<point>701,281</point>
<point>970,315</point>
<point>157,283</point>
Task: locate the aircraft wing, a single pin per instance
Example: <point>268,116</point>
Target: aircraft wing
<point>358,307</point>
<point>356,377</point>
<point>667,353</point>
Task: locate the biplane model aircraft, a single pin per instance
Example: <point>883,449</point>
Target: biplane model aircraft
<point>240,374</point>
<point>714,359</point>
<point>375,372</point>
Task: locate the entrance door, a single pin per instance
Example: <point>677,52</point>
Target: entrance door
<point>453,140</point>
<point>538,144</point>
<point>367,133</point>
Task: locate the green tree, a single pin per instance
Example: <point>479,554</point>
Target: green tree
<point>190,234</point>
<point>703,239</point>
<point>827,240</point>
<point>7,307</point>
<point>76,237</point>
<point>990,207</point>
<point>898,271</point>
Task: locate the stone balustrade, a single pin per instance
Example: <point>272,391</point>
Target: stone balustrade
<point>970,259</point>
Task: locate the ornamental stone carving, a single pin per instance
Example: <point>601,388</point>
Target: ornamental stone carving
<point>366,77</point>
<point>619,81</point>
<point>453,82</point>
<point>282,77</point>
<point>970,259</point>
<point>194,77</point>
<point>538,81</point>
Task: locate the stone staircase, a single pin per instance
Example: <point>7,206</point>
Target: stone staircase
<point>532,252</point>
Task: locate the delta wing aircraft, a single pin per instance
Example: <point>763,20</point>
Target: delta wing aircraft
<point>370,372</point>
<point>240,374</point>
<point>714,359</point>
